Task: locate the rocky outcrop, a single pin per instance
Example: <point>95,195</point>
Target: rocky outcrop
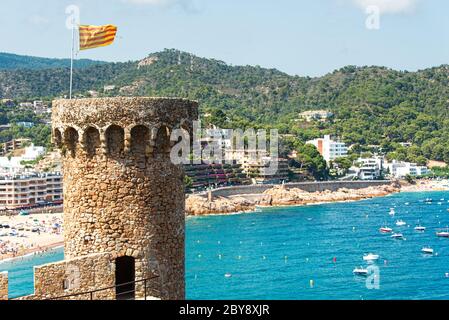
<point>281,196</point>
<point>197,206</point>
<point>147,61</point>
<point>294,196</point>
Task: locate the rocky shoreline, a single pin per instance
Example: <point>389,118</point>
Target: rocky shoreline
<point>281,196</point>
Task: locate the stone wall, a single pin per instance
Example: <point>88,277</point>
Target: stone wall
<point>122,194</point>
<point>74,276</point>
<point>3,285</point>
<point>306,186</point>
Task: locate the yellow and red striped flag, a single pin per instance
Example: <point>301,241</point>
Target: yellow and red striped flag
<point>96,36</point>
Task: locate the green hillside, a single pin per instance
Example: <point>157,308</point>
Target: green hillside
<point>9,61</point>
<point>372,105</point>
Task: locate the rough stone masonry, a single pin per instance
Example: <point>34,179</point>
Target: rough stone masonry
<point>122,194</point>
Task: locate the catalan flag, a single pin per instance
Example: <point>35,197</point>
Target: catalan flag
<point>96,36</point>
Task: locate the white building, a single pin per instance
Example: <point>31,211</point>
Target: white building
<point>330,149</point>
<point>370,168</point>
<point>400,169</point>
<point>316,115</point>
<point>14,164</point>
<point>29,189</point>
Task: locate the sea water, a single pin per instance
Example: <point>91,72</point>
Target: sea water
<point>307,252</point>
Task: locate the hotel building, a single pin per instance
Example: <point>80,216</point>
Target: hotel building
<point>29,189</point>
<point>399,169</point>
<point>330,149</point>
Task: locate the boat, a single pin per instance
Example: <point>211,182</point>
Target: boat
<point>360,271</point>
<point>443,234</point>
<point>385,230</point>
<point>370,257</point>
<point>420,228</point>
<point>398,236</point>
<point>400,223</point>
<point>427,250</point>
<point>428,200</point>
<point>392,212</point>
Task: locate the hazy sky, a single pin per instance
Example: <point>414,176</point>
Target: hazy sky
<point>304,37</point>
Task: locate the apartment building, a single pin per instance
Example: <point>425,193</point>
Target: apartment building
<point>267,170</point>
<point>400,169</point>
<point>216,174</point>
<point>330,149</point>
<point>370,168</point>
<point>12,145</point>
<point>29,189</point>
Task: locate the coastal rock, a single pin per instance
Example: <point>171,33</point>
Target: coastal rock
<point>280,196</point>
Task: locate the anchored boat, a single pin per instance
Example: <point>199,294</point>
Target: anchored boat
<point>360,271</point>
<point>371,257</point>
<point>398,236</point>
<point>427,250</point>
<point>400,223</point>
<point>385,230</point>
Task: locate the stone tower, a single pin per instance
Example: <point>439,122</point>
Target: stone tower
<point>122,194</point>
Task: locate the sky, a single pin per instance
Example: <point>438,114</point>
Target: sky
<point>299,37</point>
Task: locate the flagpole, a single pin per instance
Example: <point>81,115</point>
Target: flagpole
<point>72,57</point>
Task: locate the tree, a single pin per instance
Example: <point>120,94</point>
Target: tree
<point>308,157</point>
<point>410,179</point>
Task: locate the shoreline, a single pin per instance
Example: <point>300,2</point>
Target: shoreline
<point>281,196</point>
<point>203,207</point>
<point>32,252</point>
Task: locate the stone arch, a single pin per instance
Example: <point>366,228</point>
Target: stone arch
<point>115,139</point>
<point>71,139</point>
<point>57,138</point>
<point>91,140</point>
<point>140,139</point>
<point>162,141</point>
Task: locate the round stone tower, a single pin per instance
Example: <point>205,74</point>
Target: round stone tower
<point>122,194</point>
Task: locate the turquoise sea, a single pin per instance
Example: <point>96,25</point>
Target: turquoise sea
<point>275,253</point>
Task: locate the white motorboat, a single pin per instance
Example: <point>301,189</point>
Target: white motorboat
<point>443,234</point>
<point>400,223</point>
<point>385,230</point>
<point>427,250</point>
<point>420,228</point>
<point>360,271</point>
<point>398,236</point>
<point>371,257</point>
<point>392,212</point>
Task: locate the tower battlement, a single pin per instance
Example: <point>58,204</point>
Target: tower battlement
<point>116,125</point>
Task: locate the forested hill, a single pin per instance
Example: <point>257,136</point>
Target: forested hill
<point>372,105</point>
<point>9,61</point>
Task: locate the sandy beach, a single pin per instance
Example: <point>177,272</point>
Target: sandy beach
<point>23,235</point>
<point>425,185</point>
